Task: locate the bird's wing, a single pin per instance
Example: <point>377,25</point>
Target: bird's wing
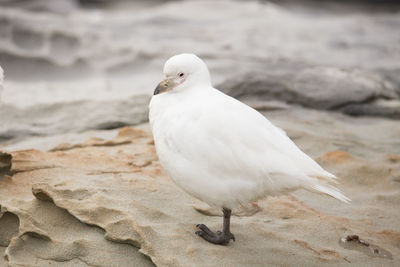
<point>242,144</point>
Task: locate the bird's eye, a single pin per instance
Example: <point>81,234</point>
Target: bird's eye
<point>180,74</point>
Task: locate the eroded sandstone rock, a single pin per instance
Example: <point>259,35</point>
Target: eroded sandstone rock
<point>95,204</point>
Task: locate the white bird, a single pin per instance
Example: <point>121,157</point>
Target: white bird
<point>221,151</point>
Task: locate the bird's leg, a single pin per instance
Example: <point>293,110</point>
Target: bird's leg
<point>219,238</point>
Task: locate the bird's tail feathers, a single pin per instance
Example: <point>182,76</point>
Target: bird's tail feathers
<point>331,191</point>
<point>326,176</point>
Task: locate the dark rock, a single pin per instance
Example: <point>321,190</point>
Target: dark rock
<point>353,92</point>
<point>329,88</point>
<point>380,108</point>
<point>5,164</point>
<point>55,6</point>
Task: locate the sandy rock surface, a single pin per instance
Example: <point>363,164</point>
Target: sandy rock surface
<point>109,203</point>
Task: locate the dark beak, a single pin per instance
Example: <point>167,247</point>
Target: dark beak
<point>157,90</point>
<point>164,86</point>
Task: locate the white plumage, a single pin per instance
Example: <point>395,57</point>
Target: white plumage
<point>220,150</point>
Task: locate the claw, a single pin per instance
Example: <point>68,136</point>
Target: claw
<point>219,237</point>
<point>200,233</point>
<point>205,229</point>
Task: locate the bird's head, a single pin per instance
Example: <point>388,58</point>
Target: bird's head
<point>183,71</point>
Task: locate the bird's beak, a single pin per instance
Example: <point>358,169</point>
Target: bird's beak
<point>164,86</point>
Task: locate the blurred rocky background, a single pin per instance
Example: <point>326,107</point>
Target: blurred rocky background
<point>72,66</point>
<point>327,72</point>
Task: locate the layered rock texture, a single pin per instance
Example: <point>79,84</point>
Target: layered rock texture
<point>109,203</point>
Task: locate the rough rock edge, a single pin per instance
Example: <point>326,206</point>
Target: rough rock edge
<point>40,193</point>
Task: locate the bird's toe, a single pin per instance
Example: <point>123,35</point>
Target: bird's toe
<point>205,229</point>
<point>199,233</point>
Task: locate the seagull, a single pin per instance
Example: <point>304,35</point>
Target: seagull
<point>221,151</point>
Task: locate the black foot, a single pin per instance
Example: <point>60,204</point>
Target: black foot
<point>219,238</point>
